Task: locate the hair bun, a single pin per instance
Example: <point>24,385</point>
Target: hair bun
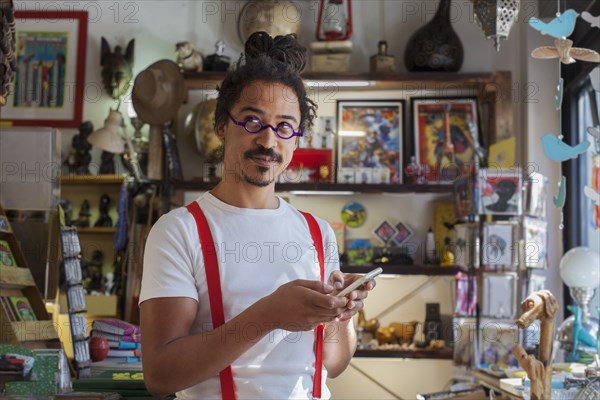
<point>283,48</point>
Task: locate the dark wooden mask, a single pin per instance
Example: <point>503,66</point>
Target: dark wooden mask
<point>116,68</point>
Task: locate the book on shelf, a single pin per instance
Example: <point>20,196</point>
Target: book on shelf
<point>8,309</point>
<point>125,360</point>
<point>115,326</point>
<point>22,308</point>
<point>119,344</point>
<point>117,338</point>
<point>6,256</point>
<point>124,353</point>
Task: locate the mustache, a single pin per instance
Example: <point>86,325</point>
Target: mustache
<point>263,151</point>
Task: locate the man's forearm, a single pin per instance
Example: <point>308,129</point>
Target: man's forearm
<point>339,346</point>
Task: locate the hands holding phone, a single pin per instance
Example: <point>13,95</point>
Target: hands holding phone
<point>354,287</point>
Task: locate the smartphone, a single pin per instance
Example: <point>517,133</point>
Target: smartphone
<point>357,283</point>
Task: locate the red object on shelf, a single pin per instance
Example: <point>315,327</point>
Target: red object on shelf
<point>311,161</point>
<point>98,348</point>
<point>335,20</point>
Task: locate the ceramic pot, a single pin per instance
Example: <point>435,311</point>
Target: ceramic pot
<point>435,46</point>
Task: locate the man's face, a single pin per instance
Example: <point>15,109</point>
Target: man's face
<point>258,158</point>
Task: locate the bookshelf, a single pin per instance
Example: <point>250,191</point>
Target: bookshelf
<point>27,325</point>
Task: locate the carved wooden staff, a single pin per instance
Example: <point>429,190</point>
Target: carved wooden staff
<point>540,305</point>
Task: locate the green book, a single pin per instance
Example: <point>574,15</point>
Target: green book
<point>112,380</point>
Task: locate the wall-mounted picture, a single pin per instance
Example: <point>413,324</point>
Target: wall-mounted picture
<point>536,195</point>
<point>535,233</point>
<point>49,78</point>
<point>385,232</point>
<point>499,245</point>
<point>360,251</point>
<point>500,191</point>
<point>354,214</point>
<point>370,136</point>
<point>446,135</point>
<point>467,245</point>
<point>403,233</point>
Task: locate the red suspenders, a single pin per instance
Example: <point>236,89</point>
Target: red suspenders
<point>216,301</point>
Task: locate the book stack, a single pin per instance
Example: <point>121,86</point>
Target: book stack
<point>123,338</point>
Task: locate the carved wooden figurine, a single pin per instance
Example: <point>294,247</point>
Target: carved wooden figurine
<point>542,306</point>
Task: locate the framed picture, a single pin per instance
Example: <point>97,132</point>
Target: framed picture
<point>496,341</point>
<point>499,295</point>
<point>385,232</point>
<point>467,245</point>
<point>403,233</point>
<point>445,132</point>
<point>536,195</point>
<point>498,245</point>
<point>370,136</point>
<point>535,234</point>
<point>359,251</point>
<point>464,338</point>
<point>500,191</point>
<point>49,79</point>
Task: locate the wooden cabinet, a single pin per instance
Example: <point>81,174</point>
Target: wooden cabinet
<point>23,316</point>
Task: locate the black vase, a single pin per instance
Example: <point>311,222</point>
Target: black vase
<point>435,46</point>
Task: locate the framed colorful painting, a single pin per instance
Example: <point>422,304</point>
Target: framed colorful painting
<point>50,67</point>
<point>446,136</point>
<point>370,140</point>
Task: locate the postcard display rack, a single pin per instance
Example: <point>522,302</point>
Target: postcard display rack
<point>503,240</point>
<point>71,250</point>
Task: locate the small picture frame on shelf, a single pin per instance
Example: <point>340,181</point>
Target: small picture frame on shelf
<point>536,195</point>
<point>370,136</point>
<point>467,245</point>
<point>499,295</point>
<point>359,251</point>
<point>500,191</point>
<point>430,116</point>
<point>535,247</point>
<point>464,336</point>
<point>385,232</point>
<point>22,308</point>
<point>499,245</point>
<point>346,175</point>
<point>496,342</point>
<point>403,233</point>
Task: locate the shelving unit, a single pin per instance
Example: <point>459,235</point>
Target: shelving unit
<point>443,354</point>
<point>424,269</point>
<point>18,281</point>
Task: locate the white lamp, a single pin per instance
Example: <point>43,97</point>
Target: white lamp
<point>580,271</point>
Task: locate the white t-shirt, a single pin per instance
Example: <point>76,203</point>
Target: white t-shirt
<point>258,251</point>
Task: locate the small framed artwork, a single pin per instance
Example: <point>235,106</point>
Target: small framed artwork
<point>496,342</point>
<point>499,295</point>
<point>360,251</point>
<point>467,245</point>
<point>49,79</point>
<point>464,197</point>
<point>535,234</point>
<point>446,134</point>
<point>500,191</point>
<point>385,232</point>
<point>403,233</point>
<point>466,295</point>
<point>536,195</point>
<point>498,249</point>
<point>22,308</point>
<point>370,136</point>
<point>464,337</point>
<point>354,214</point>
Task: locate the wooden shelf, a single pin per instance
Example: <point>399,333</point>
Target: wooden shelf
<point>95,229</point>
<point>34,331</point>
<point>198,185</point>
<point>443,354</point>
<point>91,179</point>
<point>377,81</point>
<point>416,269</point>
<point>16,277</point>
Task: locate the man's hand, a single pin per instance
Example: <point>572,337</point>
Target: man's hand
<point>301,305</point>
<point>354,299</point>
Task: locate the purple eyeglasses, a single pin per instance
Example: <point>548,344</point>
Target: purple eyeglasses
<point>254,125</point>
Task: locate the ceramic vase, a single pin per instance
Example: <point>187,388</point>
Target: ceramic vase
<point>435,46</point>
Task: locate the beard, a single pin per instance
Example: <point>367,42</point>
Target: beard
<point>263,176</point>
<point>257,181</point>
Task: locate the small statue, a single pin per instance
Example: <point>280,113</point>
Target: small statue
<point>218,61</point>
<point>108,165</point>
<point>117,72</point>
<point>79,157</point>
<point>92,272</point>
<point>188,59</point>
<point>84,215</point>
<point>104,220</point>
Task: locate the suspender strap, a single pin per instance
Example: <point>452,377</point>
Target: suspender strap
<point>315,232</point>
<point>213,280</point>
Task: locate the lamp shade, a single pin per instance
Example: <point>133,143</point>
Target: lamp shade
<point>580,268</point>
<point>108,138</point>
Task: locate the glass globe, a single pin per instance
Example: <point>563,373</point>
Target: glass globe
<point>580,268</point>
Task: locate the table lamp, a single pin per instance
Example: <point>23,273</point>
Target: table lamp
<point>580,271</point>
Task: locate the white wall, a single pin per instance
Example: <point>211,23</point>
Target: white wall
<point>158,25</point>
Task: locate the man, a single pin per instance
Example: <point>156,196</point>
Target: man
<point>268,270</point>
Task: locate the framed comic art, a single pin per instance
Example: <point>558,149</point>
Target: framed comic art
<point>50,67</point>
<point>445,132</point>
<point>499,247</point>
<point>500,191</point>
<point>370,141</point>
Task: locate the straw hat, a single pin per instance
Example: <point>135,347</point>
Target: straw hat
<point>158,92</point>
